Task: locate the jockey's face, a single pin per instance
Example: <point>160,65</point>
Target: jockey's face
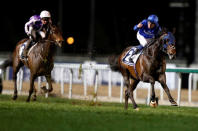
<point>45,21</point>
<point>151,25</point>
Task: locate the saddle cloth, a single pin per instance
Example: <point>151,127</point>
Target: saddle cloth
<point>23,46</point>
<point>128,56</point>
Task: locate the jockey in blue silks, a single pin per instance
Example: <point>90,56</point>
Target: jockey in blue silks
<point>147,31</point>
<point>36,28</point>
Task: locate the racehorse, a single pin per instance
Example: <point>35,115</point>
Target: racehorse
<point>150,67</point>
<point>39,60</point>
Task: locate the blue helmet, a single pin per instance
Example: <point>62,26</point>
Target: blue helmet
<point>153,19</point>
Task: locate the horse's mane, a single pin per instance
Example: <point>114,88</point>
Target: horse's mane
<point>22,41</point>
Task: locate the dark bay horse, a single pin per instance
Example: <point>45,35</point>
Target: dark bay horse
<point>40,60</point>
<point>150,67</point>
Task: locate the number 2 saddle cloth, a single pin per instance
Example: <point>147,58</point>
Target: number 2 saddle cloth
<point>130,59</point>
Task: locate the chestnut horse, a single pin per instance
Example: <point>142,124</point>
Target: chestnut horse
<point>150,67</point>
<point>39,60</point>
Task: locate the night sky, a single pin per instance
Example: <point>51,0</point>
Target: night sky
<point>113,23</point>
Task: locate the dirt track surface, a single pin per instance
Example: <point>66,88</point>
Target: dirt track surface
<point>78,89</point>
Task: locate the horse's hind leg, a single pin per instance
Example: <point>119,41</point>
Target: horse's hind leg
<point>32,78</point>
<point>127,93</point>
<point>133,86</point>
<point>162,80</point>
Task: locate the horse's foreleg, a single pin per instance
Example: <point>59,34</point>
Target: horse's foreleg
<point>32,78</point>
<point>151,80</point>
<point>154,100</point>
<point>49,81</point>
<point>162,81</point>
<point>152,92</point>
<point>16,67</point>
<point>15,87</point>
<point>34,96</point>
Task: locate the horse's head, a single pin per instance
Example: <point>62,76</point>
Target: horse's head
<point>168,41</point>
<point>56,35</point>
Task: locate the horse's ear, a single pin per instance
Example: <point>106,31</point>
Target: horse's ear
<point>164,30</point>
<point>174,30</point>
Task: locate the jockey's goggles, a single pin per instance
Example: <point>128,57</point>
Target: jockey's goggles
<point>45,19</point>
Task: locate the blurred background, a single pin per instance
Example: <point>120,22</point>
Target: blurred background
<point>101,27</point>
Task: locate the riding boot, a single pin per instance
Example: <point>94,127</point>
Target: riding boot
<point>134,53</point>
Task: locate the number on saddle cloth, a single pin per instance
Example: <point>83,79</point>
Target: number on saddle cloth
<point>129,55</point>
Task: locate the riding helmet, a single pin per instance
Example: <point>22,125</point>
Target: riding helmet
<point>45,14</point>
<point>153,19</point>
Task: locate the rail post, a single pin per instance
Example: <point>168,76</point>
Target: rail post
<point>85,83</point>
<point>190,87</point>
<point>70,83</point>
<point>109,84</point>
<point>179,89</point>
<point>62,81</point>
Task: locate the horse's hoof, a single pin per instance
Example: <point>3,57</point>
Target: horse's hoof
<point>137,109</point>
<point>174,104</point>
<point>28,100</point>
<point>125,107</point>
<point>14,97</point>
<point>34,99</point>
<point>50,90</point>
<point>153,104</point>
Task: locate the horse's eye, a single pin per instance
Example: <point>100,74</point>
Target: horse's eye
<point>173,47</point>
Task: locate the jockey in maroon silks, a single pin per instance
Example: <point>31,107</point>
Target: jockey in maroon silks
<point>36,28</point>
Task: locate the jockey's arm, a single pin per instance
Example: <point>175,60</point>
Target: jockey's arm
<point>138,26</point>
<point>27,27</point>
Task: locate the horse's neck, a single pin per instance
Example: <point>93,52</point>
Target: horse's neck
<point>47,49</point>
<point>154,51</point>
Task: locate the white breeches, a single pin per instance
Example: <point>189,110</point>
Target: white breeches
<point>143,41</point>
<point>42,34</point>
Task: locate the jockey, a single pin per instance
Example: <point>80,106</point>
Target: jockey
<point>46,22</point>
<point>36,28</point>
<point>148,30</point>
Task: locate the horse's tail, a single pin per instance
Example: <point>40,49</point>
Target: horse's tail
<point>3,65</point>
<point>6,63</point>
<point>113,62</point>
